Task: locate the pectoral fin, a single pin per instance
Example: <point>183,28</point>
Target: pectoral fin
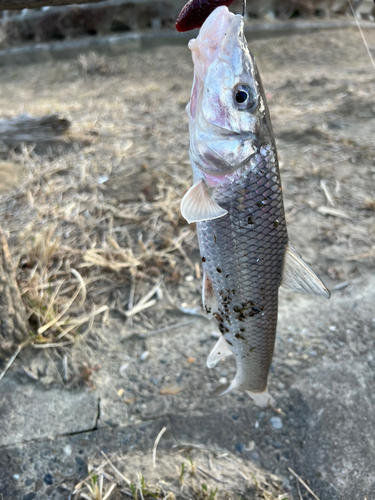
<point>221,350</point>
<point>299,277</point>
<point>198,206</point>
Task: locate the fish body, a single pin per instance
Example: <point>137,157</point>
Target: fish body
<point>243,254</point>
<point>236,201</point>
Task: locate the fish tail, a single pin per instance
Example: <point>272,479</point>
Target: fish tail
<point>261,399</point>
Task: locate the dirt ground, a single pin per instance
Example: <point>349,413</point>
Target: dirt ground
<point>113,388</point>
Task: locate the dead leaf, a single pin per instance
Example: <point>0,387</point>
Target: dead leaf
<point>171,389</point>
<point>129,401</point>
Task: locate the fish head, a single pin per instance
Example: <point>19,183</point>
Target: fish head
<point>227,110</point>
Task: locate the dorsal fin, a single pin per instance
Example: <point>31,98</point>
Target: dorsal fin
<point>221,350</point>
<point>198,206</point>
<point>299,277</point>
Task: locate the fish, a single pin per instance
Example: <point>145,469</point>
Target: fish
<point>237,204</point>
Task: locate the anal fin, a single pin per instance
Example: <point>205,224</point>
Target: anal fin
<point>299,277</point>
<point>198,206</point>
<point>221,350</point>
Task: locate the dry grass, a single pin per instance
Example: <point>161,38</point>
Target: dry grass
<point>81,254</point>
<point>185,472</point>
<point>93,227</point>
<point>93,63</point>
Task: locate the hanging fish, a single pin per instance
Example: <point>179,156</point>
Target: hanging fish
<point>236,201</point>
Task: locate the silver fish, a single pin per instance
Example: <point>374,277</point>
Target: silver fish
<point>236,201</point>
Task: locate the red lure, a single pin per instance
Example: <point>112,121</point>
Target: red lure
<point>195,12</point>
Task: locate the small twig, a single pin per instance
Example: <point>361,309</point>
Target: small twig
<point>131,295</point>
<point>193,311</point>
<point>106,496</point>
<point>210,475</point>
<point>127,493</point>
<point>340,286</point>
<point>197,271</point>
<point>115,470</point>
<point>363,255</point>
<point>243,475</point>
<point>148,295</point>
<point>82,320</point>
<point>86,497</point>
<point>139,307</point>
<point>303,483</point>
<point>333,212</point>
<point>328,195</point>
<point>54,344</point>
<point>65,368</point>
<point>299,491</point>
<point>83,286</point>
<point>18,350</point>
<point>159,436</point>
<point>190,445</point>
<point>184,310</point>
<point>143,303</point>
<point>362,35</point>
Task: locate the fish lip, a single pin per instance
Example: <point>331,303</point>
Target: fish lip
<point>215,29</point>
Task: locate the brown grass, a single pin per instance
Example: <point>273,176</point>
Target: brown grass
<point>78,246</point>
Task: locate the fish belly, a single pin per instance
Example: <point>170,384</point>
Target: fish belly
<point>242,255</point>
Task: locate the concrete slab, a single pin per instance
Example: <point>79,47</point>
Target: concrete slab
<point>29,412</point>
<point>338,451</point>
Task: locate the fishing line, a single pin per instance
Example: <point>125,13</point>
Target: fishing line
<point>362,35</point>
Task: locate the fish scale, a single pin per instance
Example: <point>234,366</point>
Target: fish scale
<point>247,246</point>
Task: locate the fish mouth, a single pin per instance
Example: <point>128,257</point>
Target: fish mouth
<point>221,32</point>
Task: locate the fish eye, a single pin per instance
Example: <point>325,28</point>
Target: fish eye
<point>244,97</point>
